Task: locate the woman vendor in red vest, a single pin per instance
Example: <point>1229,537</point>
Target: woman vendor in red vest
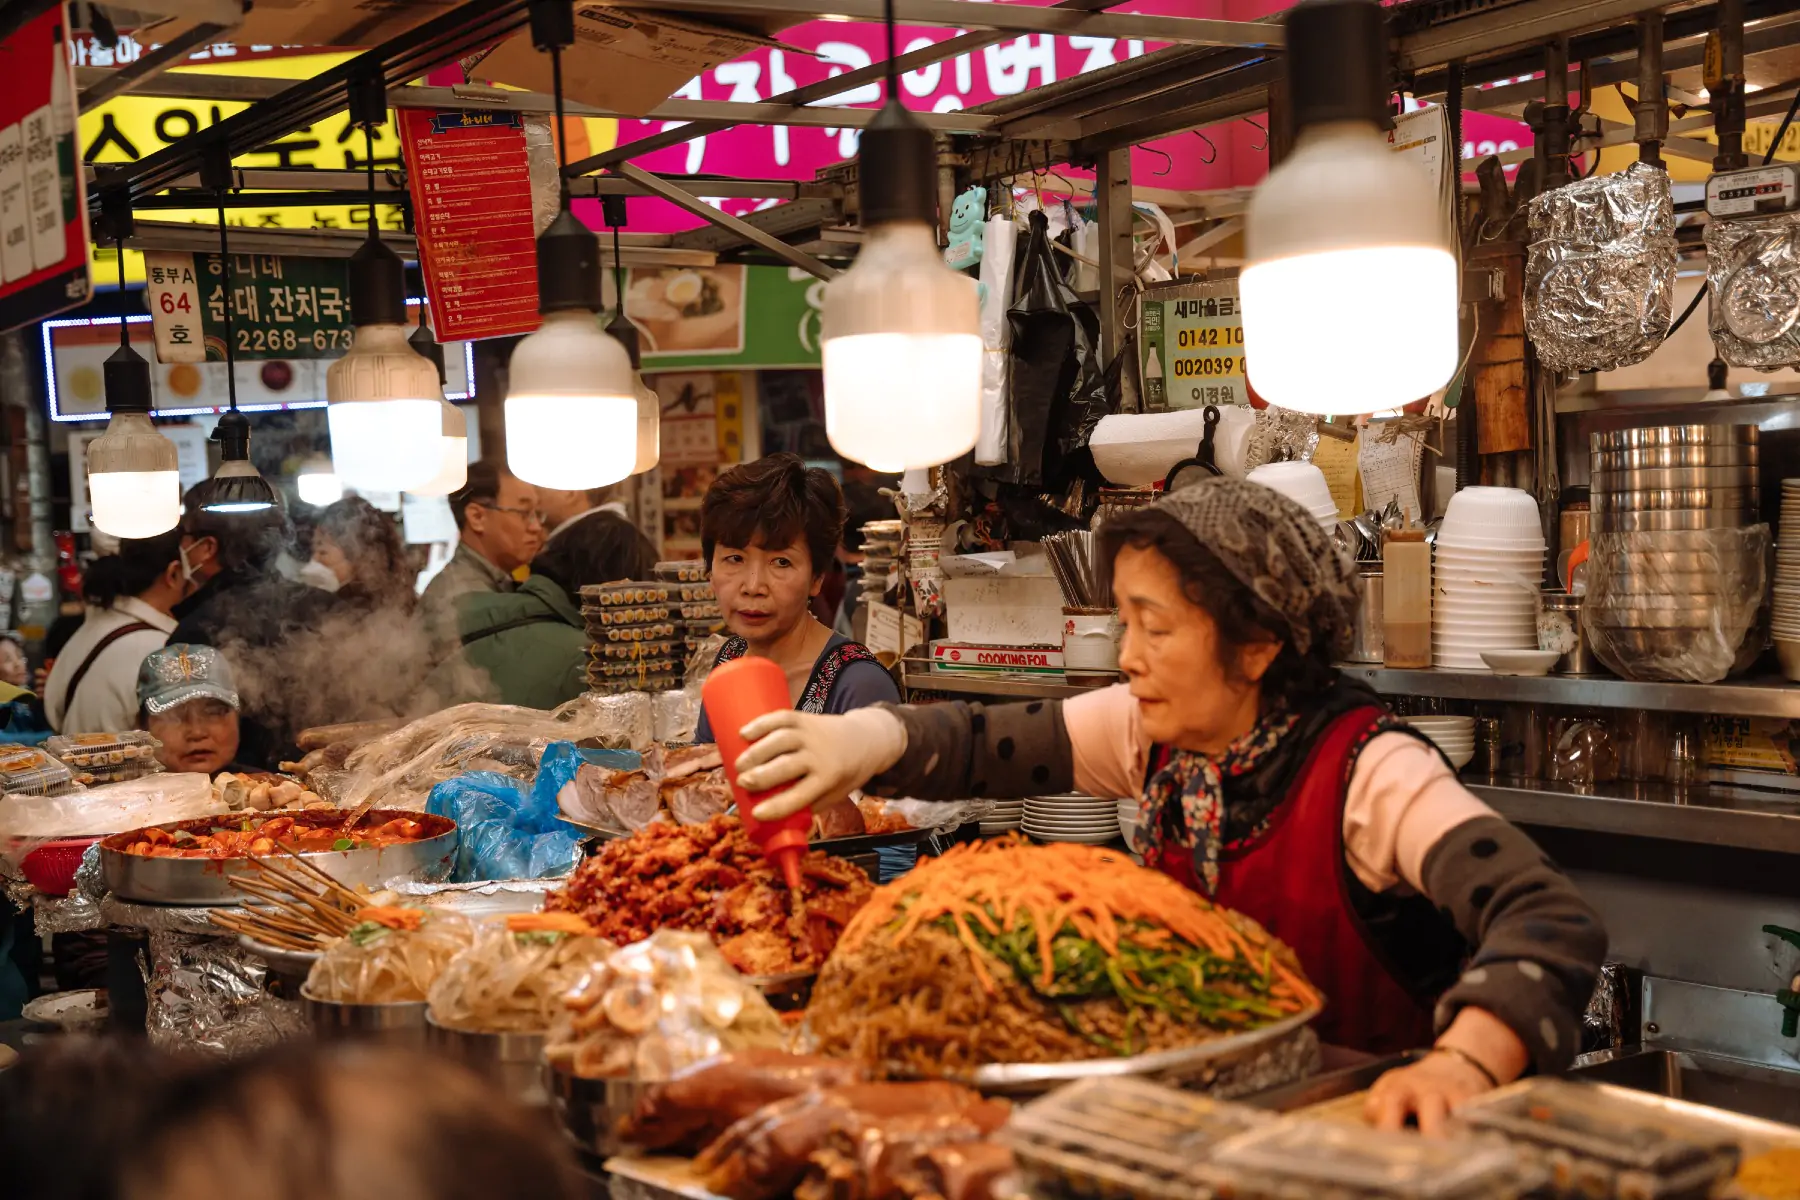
<point>1271,784</point>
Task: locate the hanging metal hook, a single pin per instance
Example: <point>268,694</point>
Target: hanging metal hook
<point>1262,129</point>
<point>1168,159</point>
<point>1209,145</point>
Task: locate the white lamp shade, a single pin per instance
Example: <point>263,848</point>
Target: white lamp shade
<point>1350,291</point>
<point>453,465</point>
<point>133,481</point>
<point>649,429</point>
<point>319,488</point>
<point>571,405</point>
<point>902,354</point>
<point>386,413</point>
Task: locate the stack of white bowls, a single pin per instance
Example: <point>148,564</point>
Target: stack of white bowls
<point>1455,736</point>
<point>1004,819</point>
<point>1302,483</point>
<point>1486,575</point>
<point>1128,820</point>
<point>1072,817</point>
<point>1784,615</point>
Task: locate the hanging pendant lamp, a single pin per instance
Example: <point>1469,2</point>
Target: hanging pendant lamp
<point>1350,290</point>
<point>386,405</point>
<point>453,447</point>
<point>317,482</point>
<point>237,487</point>
<point>621,330</point>
<point>133,484</point>
<point>571,400</point>
<point>900,330</point>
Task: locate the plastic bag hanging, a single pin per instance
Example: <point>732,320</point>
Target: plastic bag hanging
<point>1057,390</point>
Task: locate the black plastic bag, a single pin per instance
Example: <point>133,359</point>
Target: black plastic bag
<point>1056,390</point>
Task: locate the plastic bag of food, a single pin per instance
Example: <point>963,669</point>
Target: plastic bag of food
<point>504,832</point>
<point>656,1007</point>
<point>26,822</point>
<point>513,976</point>
<point>938,816</point>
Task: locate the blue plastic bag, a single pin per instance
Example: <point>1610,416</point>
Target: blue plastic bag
<point>506,833</point>
<point>559,763</point>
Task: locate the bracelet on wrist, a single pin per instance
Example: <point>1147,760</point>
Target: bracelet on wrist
<point>1458,1052</point>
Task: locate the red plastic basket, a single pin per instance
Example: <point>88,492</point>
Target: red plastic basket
<point>51,867</point>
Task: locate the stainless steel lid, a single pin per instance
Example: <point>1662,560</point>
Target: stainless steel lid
<point>1641,479</point>
<point>1673,520</point>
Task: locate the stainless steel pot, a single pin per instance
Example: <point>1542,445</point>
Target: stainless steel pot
<point>1741,454</point>
<point>1674,498</point>
<point>593,1112</point>
<point>1694,585</point>
<point>512,1061</point>
<point>1560,629</point>
<point>1673,520</point>
<point>1673,435</point>
<point>1367,641</point>
<point>207,880</point>
<point>401,1024</point>
<point>1648,479</point>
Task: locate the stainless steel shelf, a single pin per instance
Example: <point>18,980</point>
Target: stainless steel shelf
<point>1715,816</point>
<point>922,679</point>
<point>1739,698</point>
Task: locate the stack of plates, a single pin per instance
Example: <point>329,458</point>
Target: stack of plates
<point>1455,736</point>
<point>1071,818</point>
<point>1004,819</point>
<point>1487,572</point>
<point>1785,613</point>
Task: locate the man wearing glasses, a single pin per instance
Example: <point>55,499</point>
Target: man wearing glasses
<point>500,530</point>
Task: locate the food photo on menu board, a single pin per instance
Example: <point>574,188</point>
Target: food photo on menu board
<point>688,309</point>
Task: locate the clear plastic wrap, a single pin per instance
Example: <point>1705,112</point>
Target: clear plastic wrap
<point>26,822</point>
<point>206,996</point>
<point>106,757</point>
<point>1301,1159</point>
<point>400,768</point>
<point>938,816</point>
<point>1684,605</point>
<point>657,1006</point>
<point>1600,273</point>
<point>1753,285</point>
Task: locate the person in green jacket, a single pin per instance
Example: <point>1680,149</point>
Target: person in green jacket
<point>529,647</point>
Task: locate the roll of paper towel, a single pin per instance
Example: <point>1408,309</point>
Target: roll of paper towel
<point>1137,449</point>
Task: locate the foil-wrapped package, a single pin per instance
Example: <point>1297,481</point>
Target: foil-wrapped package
<point>1753,289</point>
<point>1600,272</point>
<point>1281,434</point>
<point>206,996</point>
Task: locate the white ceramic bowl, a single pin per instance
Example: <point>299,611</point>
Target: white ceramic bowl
<point>1495,511</point>
<point>1520,662</point>
<point>1299,481</point>
<point>1465,724</point>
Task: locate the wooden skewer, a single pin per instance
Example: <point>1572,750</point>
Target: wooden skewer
<point>355,899</point>
<point>277,935</point>
<point>316,910</point>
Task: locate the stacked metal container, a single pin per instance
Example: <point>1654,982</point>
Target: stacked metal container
<point>1677,572</point>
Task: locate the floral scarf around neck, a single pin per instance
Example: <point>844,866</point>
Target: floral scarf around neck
<point>1192,785</point>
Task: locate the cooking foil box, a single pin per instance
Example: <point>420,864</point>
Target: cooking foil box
<point>1600,270</point>
<point>1753,289</point>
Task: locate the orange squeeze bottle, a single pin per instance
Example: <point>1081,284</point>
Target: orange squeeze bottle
<point>735,694</point>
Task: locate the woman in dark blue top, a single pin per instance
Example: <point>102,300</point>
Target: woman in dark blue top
<point>769,529</point>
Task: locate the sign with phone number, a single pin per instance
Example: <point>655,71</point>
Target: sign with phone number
<point>1193,345</point>
<point>281,307</point>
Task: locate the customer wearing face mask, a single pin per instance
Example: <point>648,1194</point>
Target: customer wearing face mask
<point>189,703</point>
<point>131,597</point>
<point>499,529</point>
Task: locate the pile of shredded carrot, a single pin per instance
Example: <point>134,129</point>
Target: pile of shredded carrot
<point>1061,884</point>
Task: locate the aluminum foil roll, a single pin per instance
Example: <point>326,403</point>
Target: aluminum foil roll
<point>1753,289</point>
<point>1600,272</point>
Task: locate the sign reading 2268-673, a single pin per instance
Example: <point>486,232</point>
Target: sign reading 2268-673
<point>1193,346</point>
<point>281,307</point>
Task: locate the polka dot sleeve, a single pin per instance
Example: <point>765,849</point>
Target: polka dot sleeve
<point>975,751</point>
<point>1538,944</point>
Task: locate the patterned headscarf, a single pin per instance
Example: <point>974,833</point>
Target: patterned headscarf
<point>1276,549</point>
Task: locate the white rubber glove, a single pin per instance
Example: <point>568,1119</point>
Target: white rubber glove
<point>824,757</point>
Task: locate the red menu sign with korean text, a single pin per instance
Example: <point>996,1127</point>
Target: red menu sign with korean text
<point>43,196</point>
<point>471,185</point>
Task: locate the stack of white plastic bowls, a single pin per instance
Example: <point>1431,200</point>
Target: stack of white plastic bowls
<point>1302,483</point>
<point>1486,576</point>
<point>1005,818</point>
<point>1784,620</point>
<point>1455,736</point>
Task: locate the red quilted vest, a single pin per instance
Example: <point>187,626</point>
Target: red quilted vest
<point>1293,880</point>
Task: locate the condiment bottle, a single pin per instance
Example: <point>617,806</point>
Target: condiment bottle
<point>1406,599</point>
<point>735,694</point>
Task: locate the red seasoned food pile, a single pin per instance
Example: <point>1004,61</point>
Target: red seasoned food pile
<point>711,878</point>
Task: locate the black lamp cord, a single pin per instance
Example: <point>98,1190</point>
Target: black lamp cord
<point>893,74</point>
<point>618,274</point>
<point>124,309</point>
<point>562,130</point>
<point>225,268</point>
<point>369,152</point>
<point>1775,142</point>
